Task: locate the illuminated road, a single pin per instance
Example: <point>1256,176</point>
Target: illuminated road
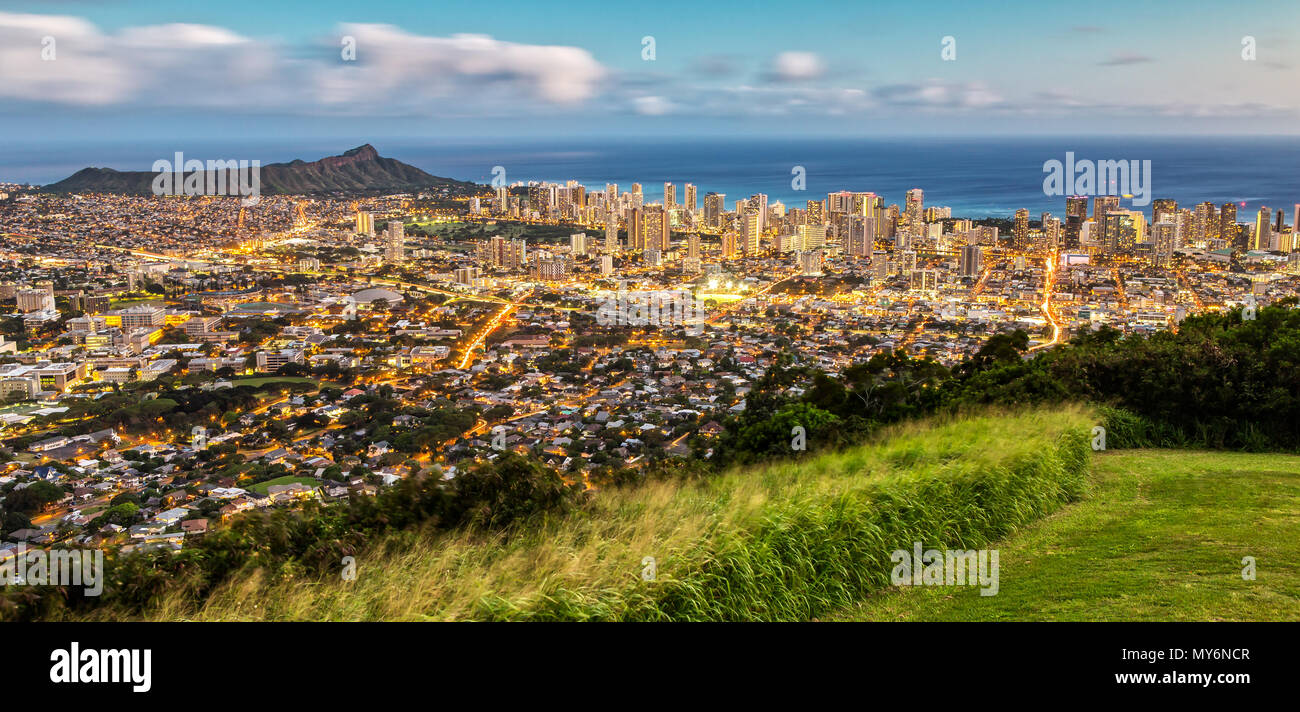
<point>1049,282</point>
<point>485,331</point>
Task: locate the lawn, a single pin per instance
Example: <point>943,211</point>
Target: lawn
<point>259,381</point>
<point>1161,536</point>
<point>261,487</point>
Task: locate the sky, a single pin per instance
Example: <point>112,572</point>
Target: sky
<point>90,70</point>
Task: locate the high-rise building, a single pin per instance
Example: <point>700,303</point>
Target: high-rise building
<point>1262,236</point>
<point>817,212</point>
<point>693,247</point>
<point>758,201</point>
<point>365,223</point>
<point>1228,224</point>
<point>636,229</point>
<point>730,246</point>
<point>34,300</point>
<point>1123,230</point>
<point>395,241</point>
<point>670,196</point>
<point>1163,210</point>
<point>860,236</point>
<point>1163,235</point>
<point>715,204</point>
<point>1020,230</point>
<point>551,268</point>
<point>972,261</point>
<point>1103,204</point>
<point>611,232</point>
<point>749,231</point>
<point>810,237</point>
<point>915,213</point>
<point>1076,213</point>
<point>658,235</point>
<point>578,244</point>
<point>691,204</point>
<point>1205,224</point>
<point>810,262</point>
<point>500,252</point>
<point>1051,231</point>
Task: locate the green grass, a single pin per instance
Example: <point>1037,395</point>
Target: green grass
<point>261,487</point>
<point>124,303</point>
<point>1160,537</point>
<point>791,540</point>
<point>259,381</point>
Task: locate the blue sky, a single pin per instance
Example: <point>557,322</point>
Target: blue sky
<point>143,69</point>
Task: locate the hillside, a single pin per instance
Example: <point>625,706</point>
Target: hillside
<point>359,170</point>
<point>792,540</point>
<point>1161,537</point>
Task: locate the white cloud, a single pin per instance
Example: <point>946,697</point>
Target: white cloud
<point>391,61</point>
<point>652,105</point>
<point>187,65</point>
<point>796,66</point>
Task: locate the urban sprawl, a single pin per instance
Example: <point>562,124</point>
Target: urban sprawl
<point>169,362</point>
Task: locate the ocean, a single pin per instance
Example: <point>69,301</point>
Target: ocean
<point>976,177</point>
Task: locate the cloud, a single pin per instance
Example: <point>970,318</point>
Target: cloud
<point>795,67</point>
<point>717,65</point>
<point>652,105</point>
<point>392,61</point>
<point>198,66</point>
<point>938,94</point>
<point>1125,58</point>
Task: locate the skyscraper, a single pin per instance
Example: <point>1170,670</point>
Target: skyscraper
<point>1019,232</point>
<point>394,248</point>
<point>611,232</point>
<point>1163,210</point>
<point>691,203</point>
<point>915,212</point>
<point>758,201</point>
<point>1123,230</point>
<point>1205,224</point>
<point>715,204</point>
<point>1262,236</point>
<point>1076,213</point>
<point>636,229</point>
<point>750,231</point>
<point>670,196</point>
<point>365,223</point>
<point>817,212</point>
<point>658,235</point>
<point>1228,224</point>
<point>972,261</point>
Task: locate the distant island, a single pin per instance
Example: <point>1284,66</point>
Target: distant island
<point>360,170</point>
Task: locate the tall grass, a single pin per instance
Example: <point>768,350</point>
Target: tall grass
<point>786,541</point>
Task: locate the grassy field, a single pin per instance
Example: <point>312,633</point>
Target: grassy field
<point>259,381</point>
<point>261,487</point>
<point>788,541</point>
<point>1161,536</point>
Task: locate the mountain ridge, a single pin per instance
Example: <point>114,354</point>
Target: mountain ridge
<point>357,170</point>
